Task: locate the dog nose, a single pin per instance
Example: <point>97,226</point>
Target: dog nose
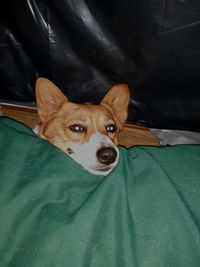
<point>106,155</point>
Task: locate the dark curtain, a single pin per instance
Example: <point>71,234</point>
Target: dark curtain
<point>85,47</point>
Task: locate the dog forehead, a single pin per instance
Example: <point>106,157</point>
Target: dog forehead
<point>86,112</point>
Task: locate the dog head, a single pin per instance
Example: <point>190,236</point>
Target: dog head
<point>87,133</point>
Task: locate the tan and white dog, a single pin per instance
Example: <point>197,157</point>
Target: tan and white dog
<point>87,133</point>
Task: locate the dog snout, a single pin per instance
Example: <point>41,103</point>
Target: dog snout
<point>107,155</point>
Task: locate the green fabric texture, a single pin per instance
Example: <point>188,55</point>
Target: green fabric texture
<point>53,213</point>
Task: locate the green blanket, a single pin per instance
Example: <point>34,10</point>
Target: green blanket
<point>55,214</point>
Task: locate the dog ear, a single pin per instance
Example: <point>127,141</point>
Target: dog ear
<point>49,98</point>
<point>118,99</point>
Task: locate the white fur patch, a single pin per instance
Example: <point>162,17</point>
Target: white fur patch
<point>86,154</point>
<point>36,129</point>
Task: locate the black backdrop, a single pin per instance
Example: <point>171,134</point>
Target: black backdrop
<point>87,46</point>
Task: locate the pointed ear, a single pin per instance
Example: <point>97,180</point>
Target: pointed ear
<point>49,98</point>
<point>118,99</point>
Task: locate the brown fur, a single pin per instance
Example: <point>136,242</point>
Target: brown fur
<point>88,133</point>
<point>57,113</point>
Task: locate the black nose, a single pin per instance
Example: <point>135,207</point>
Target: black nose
<point>106,155</point>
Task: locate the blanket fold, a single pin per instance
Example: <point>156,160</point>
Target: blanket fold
<point>53,213</point>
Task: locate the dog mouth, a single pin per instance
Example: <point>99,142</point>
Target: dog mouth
<point>101,168</point>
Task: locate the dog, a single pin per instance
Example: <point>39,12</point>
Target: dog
<point>88,133</point>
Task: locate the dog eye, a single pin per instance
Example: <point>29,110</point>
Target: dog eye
<point>111,128</point>
<point>77,128</point>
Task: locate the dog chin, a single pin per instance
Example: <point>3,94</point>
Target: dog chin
<point>103,171</point>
